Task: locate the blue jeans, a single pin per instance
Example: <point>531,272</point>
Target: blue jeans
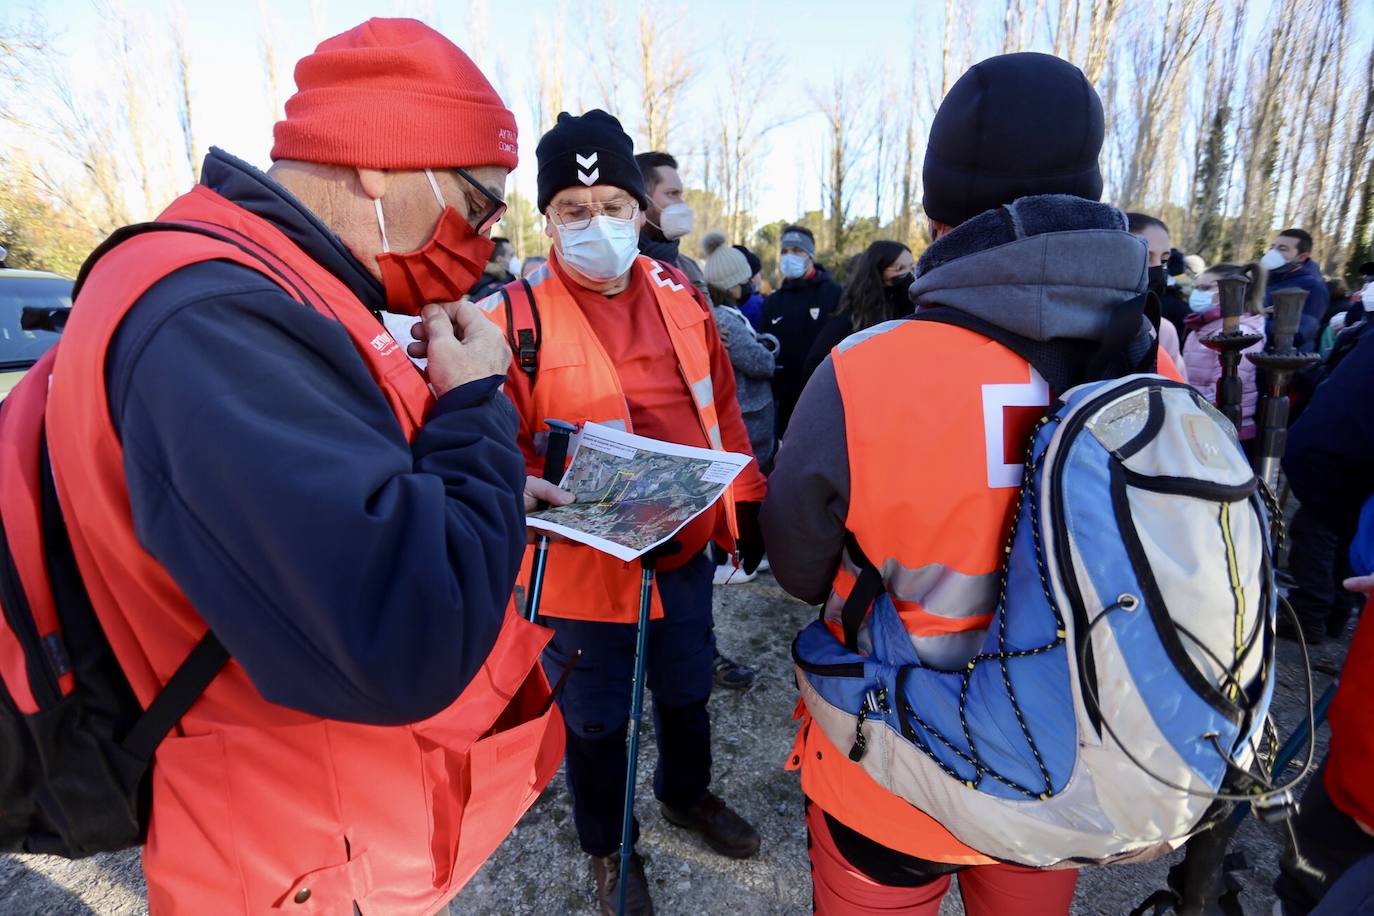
<point>595,701</point>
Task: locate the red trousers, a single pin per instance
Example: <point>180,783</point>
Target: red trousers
<point>988,890</point>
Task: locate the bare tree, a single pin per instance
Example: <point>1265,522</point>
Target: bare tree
<point>181,60</point>
<point>546,94</point>
<point>1214,150</point>
<point>1359,145</point>
<point>1159,65</point>
<point>846,143</point>
<point>602,41</point>
<point>664,71</point>
<point>269,60</point>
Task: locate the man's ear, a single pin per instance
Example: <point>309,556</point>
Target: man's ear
<point>374,182</point>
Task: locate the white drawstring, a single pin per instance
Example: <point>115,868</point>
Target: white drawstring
<point>434,185</point>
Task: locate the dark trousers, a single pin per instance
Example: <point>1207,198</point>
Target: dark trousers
<point>1318,565</point>
<point>595,701</point>
<point>1329,843</point>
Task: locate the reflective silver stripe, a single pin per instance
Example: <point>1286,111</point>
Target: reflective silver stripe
<point>949,650</point>
<point>704,391</point>
<point>616,424</point>
<point>939,590</point>
<point>853,340</point>
<point>714,435</point>
<point>490,303</point>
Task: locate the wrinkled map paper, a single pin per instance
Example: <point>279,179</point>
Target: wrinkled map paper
<point>634,493</point>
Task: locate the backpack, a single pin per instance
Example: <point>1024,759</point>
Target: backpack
<point>76,746</point>
<point>1128,668</point>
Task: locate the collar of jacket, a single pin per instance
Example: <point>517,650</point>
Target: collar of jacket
<point>816,277</point>
<point>254,191</point>
<point>1047,267</point>
<point>659,250</point>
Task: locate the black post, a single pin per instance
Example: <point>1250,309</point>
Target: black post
<point>1229,343</point>
<point>555,455</point>
<point>1279,361</point>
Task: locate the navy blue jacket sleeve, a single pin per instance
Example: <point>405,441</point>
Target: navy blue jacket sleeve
<point>353,575</point>
<point>1329,459</point>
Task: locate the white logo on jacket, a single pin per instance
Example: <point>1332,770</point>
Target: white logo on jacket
<point>657,273</point>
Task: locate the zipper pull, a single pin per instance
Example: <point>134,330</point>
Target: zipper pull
<point>856,752</point>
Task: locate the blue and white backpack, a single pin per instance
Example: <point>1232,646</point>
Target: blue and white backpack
<point>1127,673</point>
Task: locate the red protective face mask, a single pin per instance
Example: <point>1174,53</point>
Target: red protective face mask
<point>443,269</point>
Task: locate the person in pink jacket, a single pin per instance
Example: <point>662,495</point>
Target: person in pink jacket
<point>1202,366</point>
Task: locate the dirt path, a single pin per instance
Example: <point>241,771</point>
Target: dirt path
<point>539,869</point>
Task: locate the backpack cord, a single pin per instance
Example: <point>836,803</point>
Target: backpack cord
<point>1271,791</point>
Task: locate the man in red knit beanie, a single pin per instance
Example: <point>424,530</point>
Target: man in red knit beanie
<point>251,466</point>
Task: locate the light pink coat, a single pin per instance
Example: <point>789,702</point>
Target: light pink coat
<point>1202,366</point>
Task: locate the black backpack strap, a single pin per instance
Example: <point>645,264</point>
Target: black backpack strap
<point>524,333</point>
<point>867,587</point>
<point>186,685</point>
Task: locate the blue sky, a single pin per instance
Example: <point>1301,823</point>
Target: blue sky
<point>813,40</point>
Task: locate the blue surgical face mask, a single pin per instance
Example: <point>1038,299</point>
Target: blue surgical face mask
<point>604,250</point>
<point>1200,300</point>
<point>792,265</point>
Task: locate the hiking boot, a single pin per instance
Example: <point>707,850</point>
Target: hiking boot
<point>1338,622</point>
<point>606,873</point>
<point>722,829</point>
<point>731,675</point>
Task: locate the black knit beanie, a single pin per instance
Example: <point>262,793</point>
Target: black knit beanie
<point>587,150</point>
<point>1013,126</point>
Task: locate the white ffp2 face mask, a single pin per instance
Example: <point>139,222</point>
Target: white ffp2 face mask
<point>604,250</point>
<point>675,221</point>
<point>1272,260</point>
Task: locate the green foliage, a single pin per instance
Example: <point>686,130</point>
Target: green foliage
<point>37,235</point>
<point>523,224</point>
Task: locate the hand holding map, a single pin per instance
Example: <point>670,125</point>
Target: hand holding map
<point>634,493</point>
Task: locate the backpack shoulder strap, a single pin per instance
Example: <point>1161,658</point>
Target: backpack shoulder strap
<point>867,587</point>
<point>524,333</point>
<point>192,677</point>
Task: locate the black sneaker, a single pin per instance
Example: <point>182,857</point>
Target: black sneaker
<point>1312,635</point>
<point>732,675</point>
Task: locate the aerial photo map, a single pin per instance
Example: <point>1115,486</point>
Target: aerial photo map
<point>634,493</point>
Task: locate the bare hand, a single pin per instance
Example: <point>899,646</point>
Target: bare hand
<point>538,489</point>
<point>1360,584</point>
<point>461,344</point>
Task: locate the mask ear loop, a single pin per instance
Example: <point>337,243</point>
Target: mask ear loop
<point>381,224</point>
<point>434,186</point>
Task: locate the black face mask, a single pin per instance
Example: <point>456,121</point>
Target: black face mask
<point>1158,280</point>
<point>897,293</point>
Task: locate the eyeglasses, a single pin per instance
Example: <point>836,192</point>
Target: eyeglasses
<point>579,216</point>
<point>497,205</point>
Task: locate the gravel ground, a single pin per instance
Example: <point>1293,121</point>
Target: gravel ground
<point>539,870</point>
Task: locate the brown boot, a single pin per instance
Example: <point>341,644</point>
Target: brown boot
<point>606,872</point>
<point>724,830</point>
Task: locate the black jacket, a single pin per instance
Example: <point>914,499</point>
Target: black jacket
<point>795,314</point>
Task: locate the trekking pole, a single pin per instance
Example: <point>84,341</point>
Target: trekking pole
<point>649,562</point>
<point>554,456</point>
<point>1229,343</point>
<point>1279,361</point>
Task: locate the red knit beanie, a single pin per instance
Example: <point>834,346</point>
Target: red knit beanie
<point>394,94</point>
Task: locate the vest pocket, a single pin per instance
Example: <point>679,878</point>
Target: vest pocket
<point>192,853</point>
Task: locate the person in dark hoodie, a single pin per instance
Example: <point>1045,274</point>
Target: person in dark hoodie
<point>1290,265</point>
<point>889,445</point>
<point>751,306</point>
<point>795,313</point>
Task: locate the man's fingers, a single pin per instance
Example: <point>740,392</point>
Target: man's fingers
<point>538,489</point>
<point>417,331</point>
<point>1360,584</point>
<point>469,321</point>
<point>419,349</point>
<point>437,325</point>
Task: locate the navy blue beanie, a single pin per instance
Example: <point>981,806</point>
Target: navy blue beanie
<point>1013,126</point>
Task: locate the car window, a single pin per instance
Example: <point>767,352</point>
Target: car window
<point>20,348</point>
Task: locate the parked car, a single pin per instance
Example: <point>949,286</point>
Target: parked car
<point>44,295</point>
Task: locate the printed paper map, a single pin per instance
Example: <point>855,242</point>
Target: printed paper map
<point>635,493</point>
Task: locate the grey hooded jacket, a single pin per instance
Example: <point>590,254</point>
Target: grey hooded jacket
<point>1048,268</point>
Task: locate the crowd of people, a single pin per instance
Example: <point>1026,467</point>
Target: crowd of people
<point>245,456</point>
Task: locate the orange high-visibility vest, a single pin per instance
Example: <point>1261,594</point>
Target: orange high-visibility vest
<point>934,481</point>
<point>577,382</point>
<point>257,807</point>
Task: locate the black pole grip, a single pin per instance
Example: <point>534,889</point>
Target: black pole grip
<point>556,454</point>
